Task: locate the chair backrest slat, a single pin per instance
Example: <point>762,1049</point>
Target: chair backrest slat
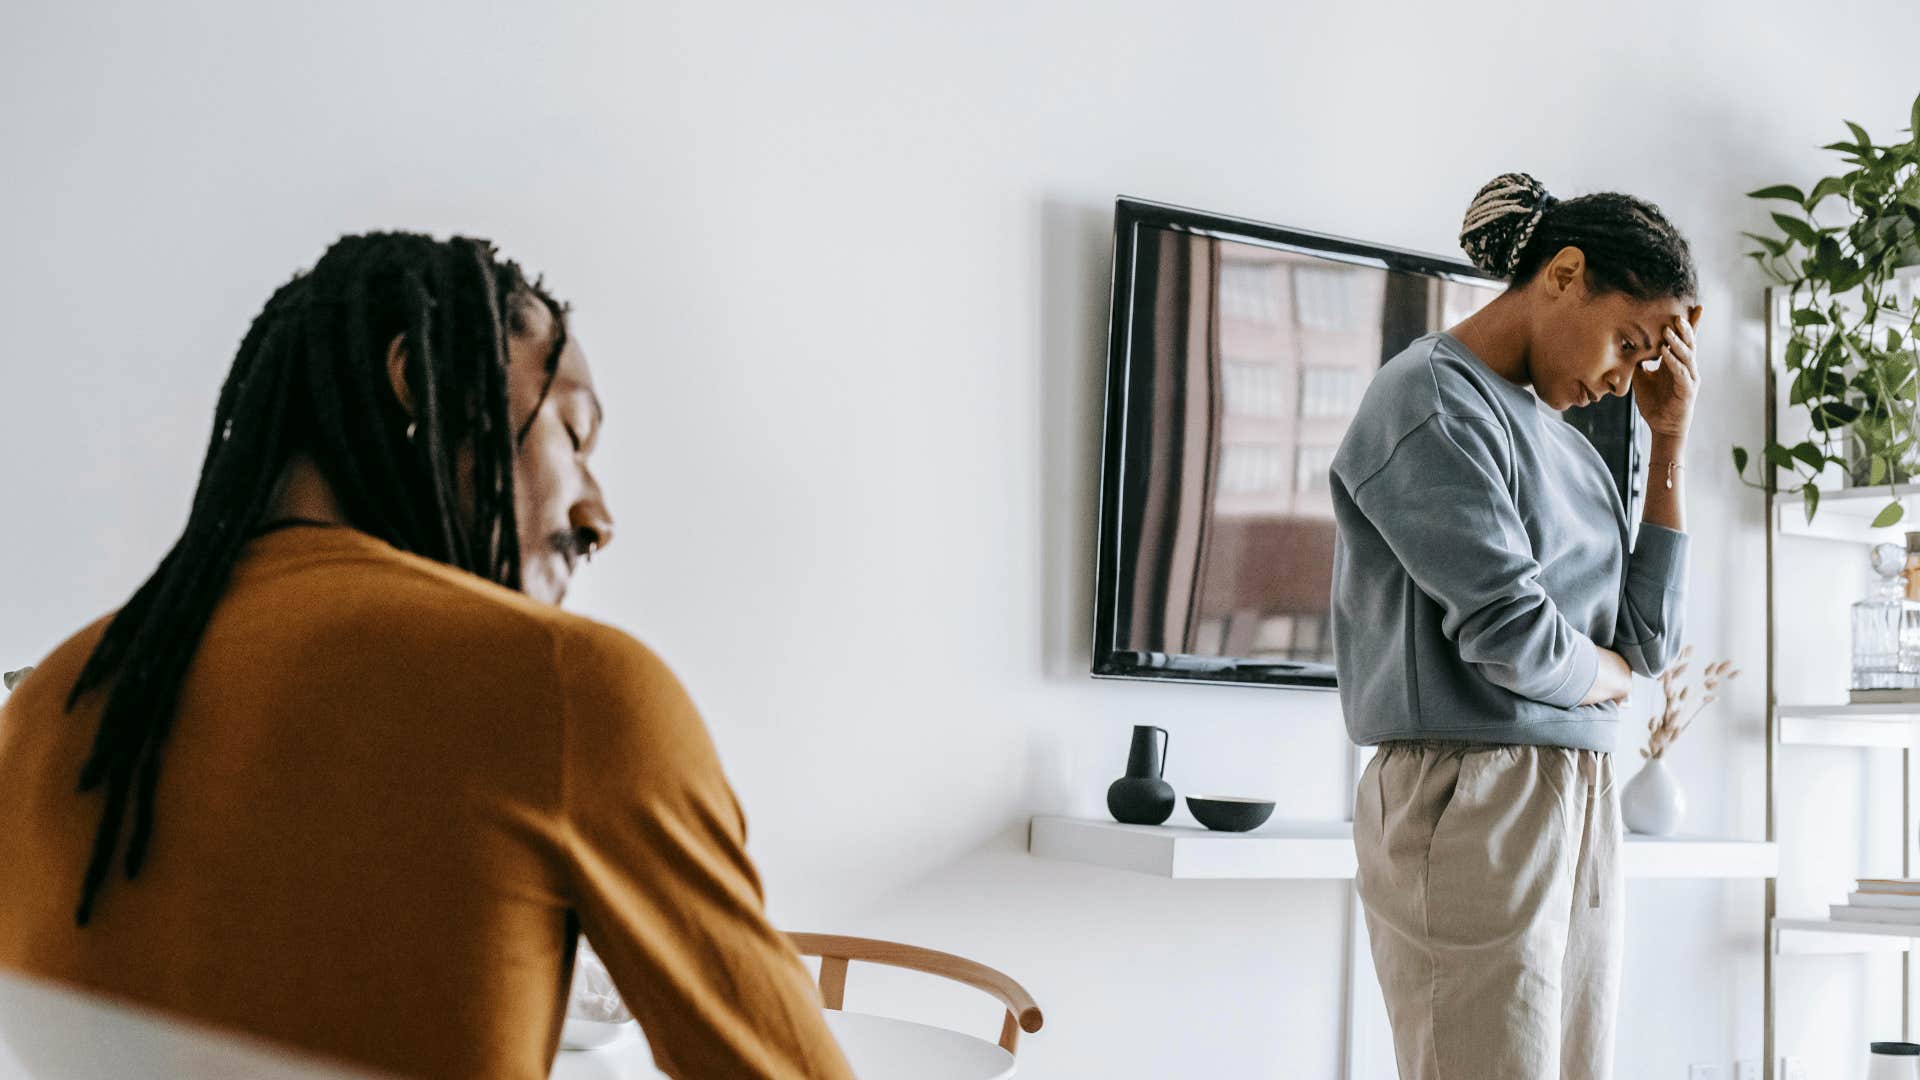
<point>833,981</point>
<point>836,951</point>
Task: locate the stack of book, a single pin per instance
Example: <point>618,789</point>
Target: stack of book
<point>1883,697</point>
<point>1883,900</point>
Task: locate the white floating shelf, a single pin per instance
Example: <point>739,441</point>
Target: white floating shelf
<point>1699,857</point>
<point>1839,936</point>
<point>1849,725</point>
<point>1325,850</point>
<point>1848,513</point>
<point>1276,850</point>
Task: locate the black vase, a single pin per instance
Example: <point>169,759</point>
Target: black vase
<point>1141,797</point>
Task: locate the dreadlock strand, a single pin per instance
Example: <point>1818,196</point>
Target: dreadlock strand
<point>105,839</point>
<point>120,742</point>
<point>112,644</point>
<point>378,496</point>
<point>127,722</point>
<point>492,363</point>
<point>258,441</point>
<point>235,464</point>
<point>432,430</point>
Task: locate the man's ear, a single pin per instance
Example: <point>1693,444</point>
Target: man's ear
<point>397,372</point>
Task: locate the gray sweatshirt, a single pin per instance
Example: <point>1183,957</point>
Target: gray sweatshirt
<point>1482,557</point>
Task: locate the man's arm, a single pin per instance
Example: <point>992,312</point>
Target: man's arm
<point>662,882</point>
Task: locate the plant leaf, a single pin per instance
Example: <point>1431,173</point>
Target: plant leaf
<point>1860,136</point>
<point>1778,457</point>
<point>1813,500</point>
<point>1832,185</point>
<point>1915,121</point>
<point>1779,191</point>
<point>1773,246</point>
<point>1839,412</point>
<point>1740,460</point>
<point>1797,229</point>
<point>1876,469</point>
<point>1798,393</point>
<point>1845,275</point>
<point>1810,454</point>
<point>1889,515</point>
<point>1809,317</point>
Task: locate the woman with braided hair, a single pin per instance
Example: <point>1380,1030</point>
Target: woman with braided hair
<point>341,774</point>
<point>1491,603</point>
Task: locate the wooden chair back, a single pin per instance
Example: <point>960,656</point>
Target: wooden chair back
<point>836,952</point>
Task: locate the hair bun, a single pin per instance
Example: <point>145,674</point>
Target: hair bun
<point>1501,220</point>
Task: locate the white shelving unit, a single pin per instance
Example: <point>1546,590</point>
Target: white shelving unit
<point>1324,850</point>
<point>1847,725</point>
<point>1792,936</point>
<point>1845,516</point>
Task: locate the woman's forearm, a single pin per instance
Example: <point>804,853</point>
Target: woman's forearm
<point>1667,482</point>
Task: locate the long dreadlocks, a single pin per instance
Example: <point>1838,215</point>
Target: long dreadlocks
<point>311,377</point>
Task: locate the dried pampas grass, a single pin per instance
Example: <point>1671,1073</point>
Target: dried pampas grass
<point>1675,716</point>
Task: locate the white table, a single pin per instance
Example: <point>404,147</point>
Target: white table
<point>878,1048</point>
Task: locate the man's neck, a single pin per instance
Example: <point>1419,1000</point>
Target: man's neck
<point>305,494</point>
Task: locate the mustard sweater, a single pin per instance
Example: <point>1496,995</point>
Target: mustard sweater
<point>393,795</point>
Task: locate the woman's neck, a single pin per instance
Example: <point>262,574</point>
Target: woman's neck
<point>1499,334</point>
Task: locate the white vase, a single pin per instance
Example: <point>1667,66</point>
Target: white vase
<point>1652,803</point>
<point>1893,1061</point>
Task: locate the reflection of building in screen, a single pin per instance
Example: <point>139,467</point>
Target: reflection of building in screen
<point>1240,521</point>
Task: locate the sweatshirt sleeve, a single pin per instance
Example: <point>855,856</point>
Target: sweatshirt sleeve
<point>1647,632</point>
<point>662,882</point>
<point>1442,505</point>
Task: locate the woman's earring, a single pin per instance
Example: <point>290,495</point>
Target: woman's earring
<point>413,428</point>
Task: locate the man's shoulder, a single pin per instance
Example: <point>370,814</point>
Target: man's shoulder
<point>581,647</point>
<point>604,659</point>
<point>415,600</point>
<point>413,611</point>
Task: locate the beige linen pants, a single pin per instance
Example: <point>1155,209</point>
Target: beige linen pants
<point>1491,881</point>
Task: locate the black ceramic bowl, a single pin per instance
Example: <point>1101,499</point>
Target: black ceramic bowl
<point>1228,814</point>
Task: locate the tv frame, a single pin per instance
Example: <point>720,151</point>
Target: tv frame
<point>1608,423</point>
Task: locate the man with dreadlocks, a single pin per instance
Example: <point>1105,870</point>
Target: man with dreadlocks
<point>363,782</point>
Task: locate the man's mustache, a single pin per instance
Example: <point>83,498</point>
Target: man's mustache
<point>574,545</point>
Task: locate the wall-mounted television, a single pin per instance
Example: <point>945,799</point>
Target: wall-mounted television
<point>1237,355</point>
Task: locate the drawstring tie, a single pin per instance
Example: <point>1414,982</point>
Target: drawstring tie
<point>1590,771</point>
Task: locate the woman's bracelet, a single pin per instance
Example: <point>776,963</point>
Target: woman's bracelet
<point>1671,465</point>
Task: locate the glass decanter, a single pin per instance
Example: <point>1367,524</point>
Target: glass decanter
<point>1886,628</point>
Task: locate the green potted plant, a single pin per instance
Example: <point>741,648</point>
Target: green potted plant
<point>1850,351</point>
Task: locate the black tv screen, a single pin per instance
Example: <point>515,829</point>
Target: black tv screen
<point>1238,353</point>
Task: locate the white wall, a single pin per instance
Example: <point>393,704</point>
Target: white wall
<point>842,270</point>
